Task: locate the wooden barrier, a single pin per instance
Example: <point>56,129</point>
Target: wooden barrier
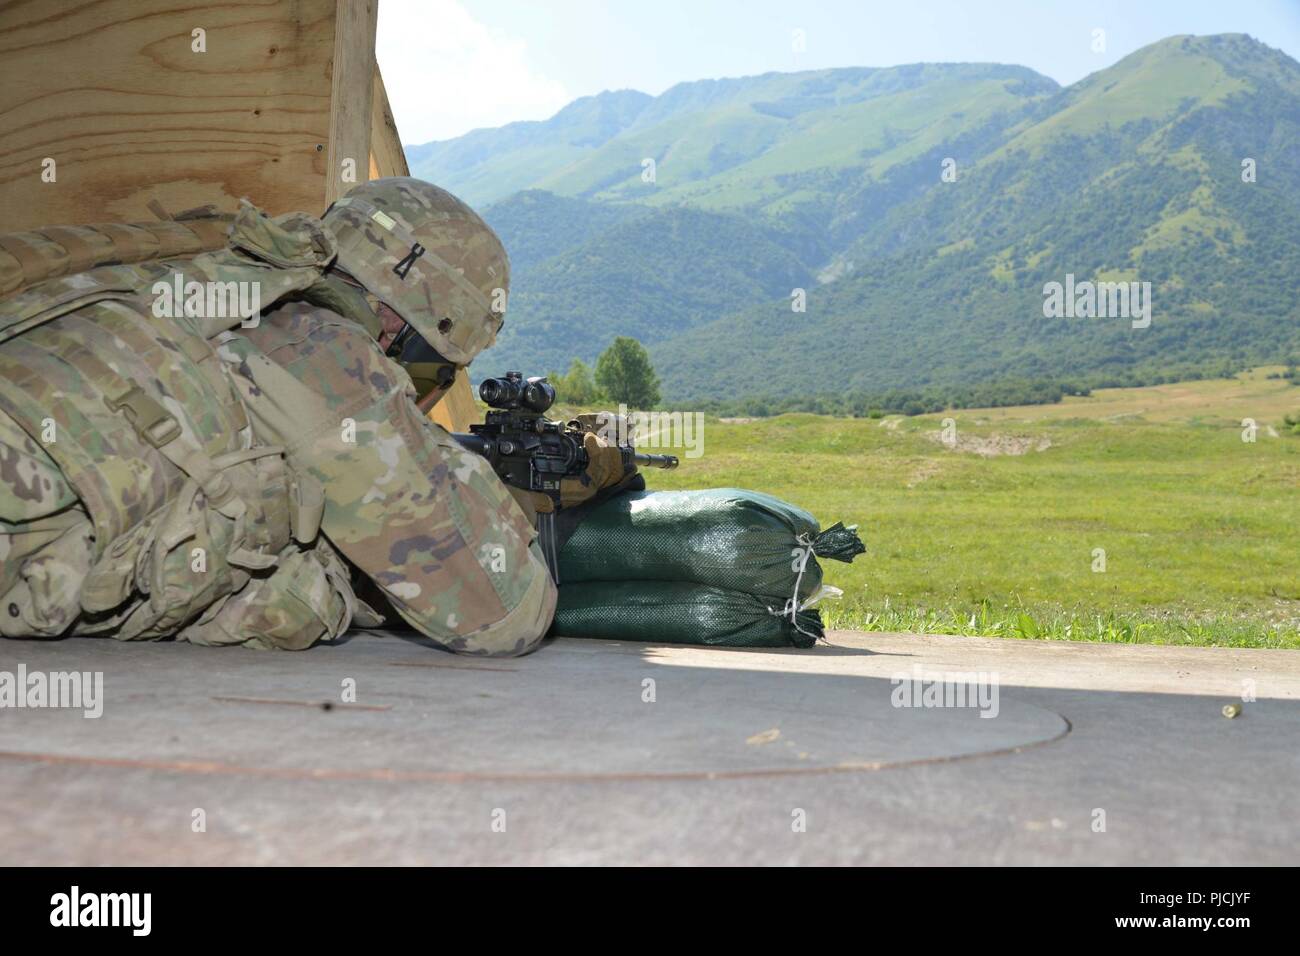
<point>113,109</point>
<point>109,105</point>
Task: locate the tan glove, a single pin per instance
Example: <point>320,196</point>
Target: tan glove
<point>604,470</point>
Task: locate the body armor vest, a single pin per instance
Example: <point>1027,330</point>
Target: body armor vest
<point>182,523</point>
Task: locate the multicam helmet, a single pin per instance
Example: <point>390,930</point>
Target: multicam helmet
<point>429,257</point>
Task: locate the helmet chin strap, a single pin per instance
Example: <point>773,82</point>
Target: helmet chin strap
<point>426,403</point>
<point>402,338</point>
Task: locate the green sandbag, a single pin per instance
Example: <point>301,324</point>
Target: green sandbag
<point>721,537</point>
<point>666,612</point>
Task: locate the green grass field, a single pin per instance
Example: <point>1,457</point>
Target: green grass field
<point>997,532</point>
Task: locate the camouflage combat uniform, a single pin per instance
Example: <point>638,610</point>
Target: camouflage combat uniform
<point>196,476</point>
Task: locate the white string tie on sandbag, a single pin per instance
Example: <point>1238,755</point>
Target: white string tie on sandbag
<point>792,606</point>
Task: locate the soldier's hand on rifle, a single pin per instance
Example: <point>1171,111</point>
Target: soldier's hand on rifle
<point>608,466</point>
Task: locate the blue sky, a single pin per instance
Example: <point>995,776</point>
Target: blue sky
<point>453,65</point>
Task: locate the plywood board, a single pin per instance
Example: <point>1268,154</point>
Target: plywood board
<point>457,409</point>
<point>352,75</point>
<point>117,95</point>
<point>386,155</point>
<point>109,106</point>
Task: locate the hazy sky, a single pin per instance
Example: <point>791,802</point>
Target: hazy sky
<point>454,65</point>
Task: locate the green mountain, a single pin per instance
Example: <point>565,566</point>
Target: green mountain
<point>538,225</point>
<point>487,164</point>
<point>730,143</point>
<point>831,182</point>
<point>627,270</point>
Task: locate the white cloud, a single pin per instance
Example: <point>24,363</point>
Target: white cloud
<point>446,73</point>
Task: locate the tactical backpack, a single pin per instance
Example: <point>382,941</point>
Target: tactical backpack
<point>135,499</point>
<point>29,258</point>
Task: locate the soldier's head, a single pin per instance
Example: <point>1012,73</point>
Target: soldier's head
<point>438,270</point>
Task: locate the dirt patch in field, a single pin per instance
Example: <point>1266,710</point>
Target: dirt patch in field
<point>925,469</point>
<point>990,446</point>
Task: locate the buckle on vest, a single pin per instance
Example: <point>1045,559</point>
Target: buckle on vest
<point>151,421</point>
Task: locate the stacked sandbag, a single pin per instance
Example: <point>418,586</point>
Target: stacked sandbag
<point>722,566</point>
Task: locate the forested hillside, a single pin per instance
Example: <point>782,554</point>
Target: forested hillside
<point>922,209</point>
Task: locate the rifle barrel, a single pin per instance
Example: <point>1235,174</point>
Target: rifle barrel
<point>481,446</point>
<point>656,461</point>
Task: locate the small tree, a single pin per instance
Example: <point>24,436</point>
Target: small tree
<point>624,374</point>
<point>577,387</point>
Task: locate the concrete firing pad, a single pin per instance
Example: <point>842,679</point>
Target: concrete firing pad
<point>439,750</point>
<point>574,708</point>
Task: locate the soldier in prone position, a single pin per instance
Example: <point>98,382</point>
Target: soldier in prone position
<point>169,473</point>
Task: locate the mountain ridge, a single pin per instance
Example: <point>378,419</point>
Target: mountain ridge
<point>831,181</point>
